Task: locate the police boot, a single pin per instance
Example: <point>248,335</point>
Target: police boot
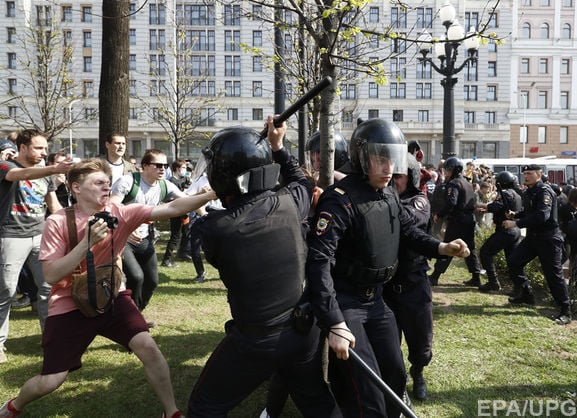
<point>524,296</point>
<point>419,383</point>
<point>492,285</point>
<point>564,316</point>
<point>474,281</point>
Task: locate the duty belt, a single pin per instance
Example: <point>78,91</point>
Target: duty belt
<point>367,276</point>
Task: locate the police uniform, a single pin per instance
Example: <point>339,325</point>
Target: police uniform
<point>409,294</point>
<point>502,239</point>
<point>257,245</point>
<point>459,212</point>
<point>543,240</point>
<point>353,248</point>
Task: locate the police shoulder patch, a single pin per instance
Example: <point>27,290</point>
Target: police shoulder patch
<point>323,222</point>
<point>420,202</point>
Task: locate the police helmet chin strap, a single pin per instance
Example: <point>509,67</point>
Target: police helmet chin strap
<point>259,179</point>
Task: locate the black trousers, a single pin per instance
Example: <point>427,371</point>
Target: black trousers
<point>464,229</point>
<point>501,240</point>
<point>549,249</point>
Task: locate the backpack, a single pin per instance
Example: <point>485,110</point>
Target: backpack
<point>136,186</point>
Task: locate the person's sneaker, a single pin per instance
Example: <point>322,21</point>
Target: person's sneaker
<point>490,286</point>
<point>168,263</point>
<point>8,411</point>
<point>184,257</point>
<point>22,302</point>
<point>199,279</point>
<point>564,316</point>
<point>3,356</point>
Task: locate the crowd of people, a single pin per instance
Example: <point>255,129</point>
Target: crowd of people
<point>355,255</point>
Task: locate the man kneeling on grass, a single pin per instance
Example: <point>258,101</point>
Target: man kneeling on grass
<point>68,332</point>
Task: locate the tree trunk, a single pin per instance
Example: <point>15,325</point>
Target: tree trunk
<point>113,94</point>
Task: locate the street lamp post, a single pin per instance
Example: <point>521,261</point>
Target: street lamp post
<point>446,51</point>
<point>70,126</point>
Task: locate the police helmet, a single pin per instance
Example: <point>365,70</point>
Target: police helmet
<point>413,172</point>
<point>313,146</point>
<point>506,180</point>
<point>381,139</point>
<point>238,161</point>
<point>455,165</point>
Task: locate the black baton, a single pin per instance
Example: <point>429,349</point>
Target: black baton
<point>384,387</point>
<point>292,109</point>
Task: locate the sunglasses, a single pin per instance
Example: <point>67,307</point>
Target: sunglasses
<point>159,165</point>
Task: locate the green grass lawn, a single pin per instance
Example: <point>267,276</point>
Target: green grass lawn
<point>484,349</point>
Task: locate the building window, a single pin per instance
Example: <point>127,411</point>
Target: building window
<point>563,135</point>
<point>565,66</point>
<point>88,89</point>
<point>525,99</point>
<point>542,100</point>
<point>526,31</point>
<point>67,37</point>
<point>398,67</point>
<point>424,17</point>
<point>492,46</point>
<point>232,114</point>
<point>157,14</point>
<point>10,9</point>
<point>471,71</point>
<point>398,17</point>
<point>232,40</point>
<point>12,86</point>
<point>12,60</point>
<point>232,88</point>
<point>373,113</point>
<point>567,3</point>
<point>257,89</point>
<point>489,150</point>
<point>67,13</point>
<point>257,114</point>
<point>490,118</point>
<point>132,36</point>
<point>349,91</point>
<point>566,32</point>
<point>87,65</point>
<point>423,115</point>
<point>132,11</point>
<point>493,20</point>
<point>544,31</point>
<point>543,66</point>
<point>90,113</point>
<point>491,93</point>
<point>374,15</point>
<point>424,90</point>
<point>11,35</point>
<point>257,64</point>
<point>525,65</point>
<point>397,115</point>
<point>468,149</point>
<point>545,3</point>
<point>13,111</point>
<point>469,117</point>
<point>564,100</point>
<point>492,69</point>
<point>399,44</point>
<point>132,88</point>
<point>373,90</point>
<point>232,65</point>
<point>86,14</point>
<point>398,90</point>
<point>133,113</point>
<point>256,38</point>
<point>471,20</point>
<point>424,70</point>
<point>232,15</point>
<point>132,62</point>
<point>374,41</point>
<point>470,93</point>
<point>87,39</point>
<point>542,135</point>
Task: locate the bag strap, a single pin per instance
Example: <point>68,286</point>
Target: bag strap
<point>72,233</point>
<point>133,189</point>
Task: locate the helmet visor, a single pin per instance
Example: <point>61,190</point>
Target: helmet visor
<point>376,154</point>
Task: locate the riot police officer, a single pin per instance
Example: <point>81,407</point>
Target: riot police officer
<point>502,239</point>
<point>353,248</point>
<point>459,211</point>
<point>313,151</point>
<point>409,294</point>
<point>258,231</point>
<point>543,240</point>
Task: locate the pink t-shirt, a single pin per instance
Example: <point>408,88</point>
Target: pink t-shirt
<point>55,245</point>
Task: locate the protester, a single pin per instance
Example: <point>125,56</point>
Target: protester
<point>68,332</point>
<point>543,240</point>
<point>353,249</point>
<point>257,245</point>
<point>139,256</point>
<point>26,190</point>
<point>115,144</point>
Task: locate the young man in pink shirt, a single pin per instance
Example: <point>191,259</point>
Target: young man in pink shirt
<point>89,182</point>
